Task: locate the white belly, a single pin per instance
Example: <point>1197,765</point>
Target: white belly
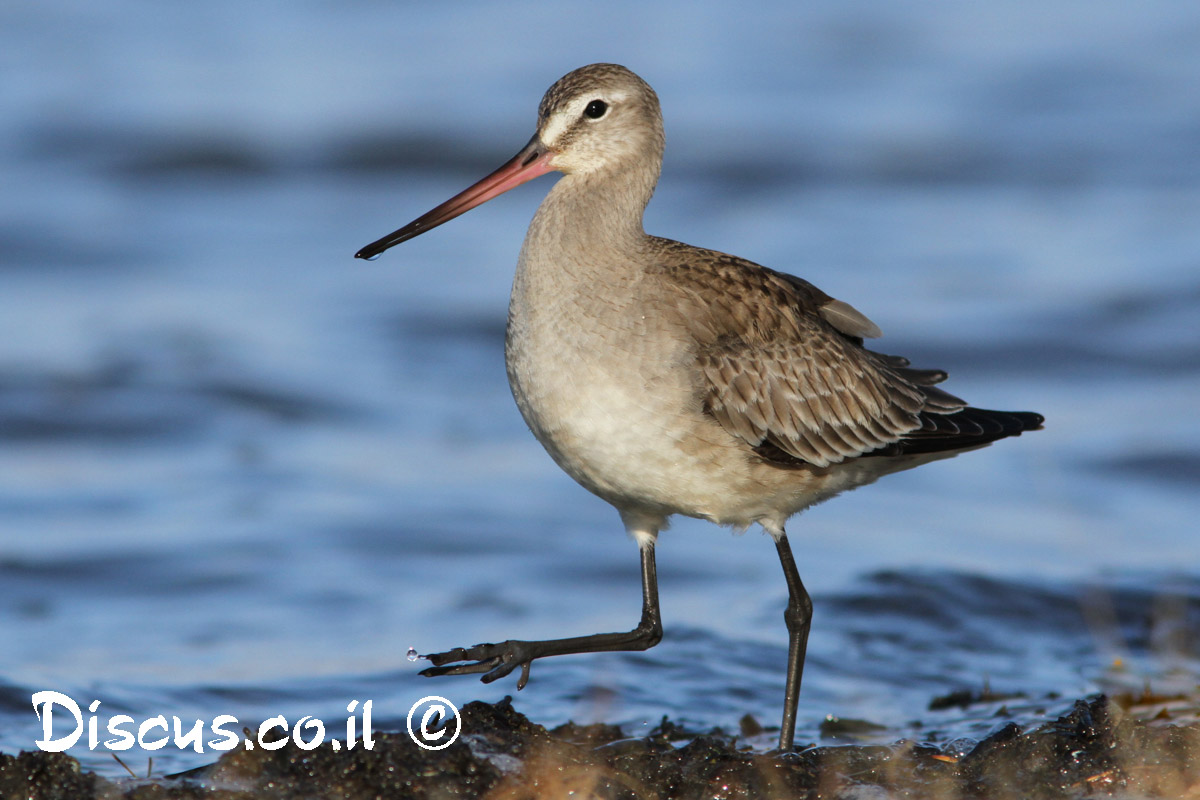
<point>609,416</point>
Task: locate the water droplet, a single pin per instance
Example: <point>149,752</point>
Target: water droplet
<point>374,257</point>
<point>412,654</point>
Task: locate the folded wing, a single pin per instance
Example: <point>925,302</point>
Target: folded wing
<point>784,369</point>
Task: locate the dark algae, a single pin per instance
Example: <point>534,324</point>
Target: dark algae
<point>1097,749</point>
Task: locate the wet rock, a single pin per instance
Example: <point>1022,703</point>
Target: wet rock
<point>965,698</point>
<point>45,776</point>
<point>848,729</point>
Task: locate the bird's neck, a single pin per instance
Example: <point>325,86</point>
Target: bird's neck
<point>592,216</point>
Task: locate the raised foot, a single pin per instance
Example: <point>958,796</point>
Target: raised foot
<point>495,660</point>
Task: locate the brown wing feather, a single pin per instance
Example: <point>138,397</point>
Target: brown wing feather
<point>780,374</point>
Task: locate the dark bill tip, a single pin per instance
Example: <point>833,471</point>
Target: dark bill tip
<point>532,161</point>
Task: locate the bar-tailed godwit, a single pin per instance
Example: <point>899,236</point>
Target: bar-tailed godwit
<point>669,379</point>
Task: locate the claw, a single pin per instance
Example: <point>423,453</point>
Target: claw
<point>457,654</point>
<point>494,660</point>
<point>457,669</point>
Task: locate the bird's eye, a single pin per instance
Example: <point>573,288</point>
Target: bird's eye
<point>595,109</point>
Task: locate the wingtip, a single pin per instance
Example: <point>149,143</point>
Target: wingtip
<point>1030,420</point>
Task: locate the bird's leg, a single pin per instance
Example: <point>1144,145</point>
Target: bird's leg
<point>498,660</point>
<point>798,616</point>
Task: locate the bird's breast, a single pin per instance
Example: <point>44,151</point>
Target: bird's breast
<point>603,385</point>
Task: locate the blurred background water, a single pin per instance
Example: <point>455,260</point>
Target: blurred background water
<point>241,473</point>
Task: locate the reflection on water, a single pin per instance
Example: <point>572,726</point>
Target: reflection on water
<point>242,473</point>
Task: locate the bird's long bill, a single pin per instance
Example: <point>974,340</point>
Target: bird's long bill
<point>532,161</point>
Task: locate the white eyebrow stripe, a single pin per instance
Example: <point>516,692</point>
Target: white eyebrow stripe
<point>555,127</point>
<point>560,120</point>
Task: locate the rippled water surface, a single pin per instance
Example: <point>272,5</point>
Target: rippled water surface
<point>241,473</point>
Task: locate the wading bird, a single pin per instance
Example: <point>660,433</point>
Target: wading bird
<point>669,379</point>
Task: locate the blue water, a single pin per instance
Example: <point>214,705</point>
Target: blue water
<point>241,472</point>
